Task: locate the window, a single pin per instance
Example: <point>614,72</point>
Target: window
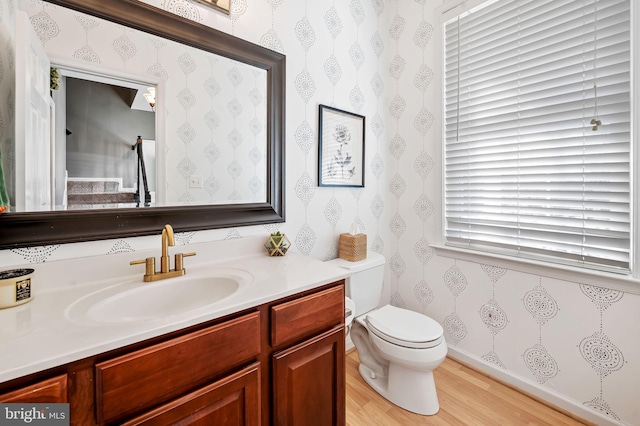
<point>537,130</point>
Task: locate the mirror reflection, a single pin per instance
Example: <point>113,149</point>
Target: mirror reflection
<point>99,166</point>
<point>203,141</point>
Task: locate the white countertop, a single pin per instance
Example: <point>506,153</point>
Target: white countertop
<point>42,333</point>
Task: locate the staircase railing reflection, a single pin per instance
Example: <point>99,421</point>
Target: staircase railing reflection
<point>142,173</point>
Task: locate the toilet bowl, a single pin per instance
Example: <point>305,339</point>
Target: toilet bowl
<point>398,348</point>
<point>397,367</point>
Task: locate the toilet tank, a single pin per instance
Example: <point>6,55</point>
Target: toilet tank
<point>364,286</point>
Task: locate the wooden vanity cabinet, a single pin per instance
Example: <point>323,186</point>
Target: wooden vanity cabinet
<point>278,363</point>
<point>309,381</point>
<point>53,390</point>
<point>309,373</point>
<point>233,400</point>
<point>142,379</point>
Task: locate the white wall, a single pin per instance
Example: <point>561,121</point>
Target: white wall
<point>576,345</point>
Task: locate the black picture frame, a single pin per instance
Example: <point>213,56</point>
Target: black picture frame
<point>341,148</point>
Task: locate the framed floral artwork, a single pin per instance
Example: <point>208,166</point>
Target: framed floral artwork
<point>340,148</point>
<point>221,5</point>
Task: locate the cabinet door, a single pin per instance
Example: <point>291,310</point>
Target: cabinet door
<point>51,390</point>
<point>309,381</point>
<point>234,400</point>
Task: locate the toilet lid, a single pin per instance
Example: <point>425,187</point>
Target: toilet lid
<point>404,327</point>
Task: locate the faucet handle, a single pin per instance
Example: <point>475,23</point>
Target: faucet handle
<point>179,262</point>
<point>150,269</point>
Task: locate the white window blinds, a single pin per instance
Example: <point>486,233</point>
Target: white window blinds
<point>537,130</point>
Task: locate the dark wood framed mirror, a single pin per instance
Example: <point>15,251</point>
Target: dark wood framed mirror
<point>23,229</point>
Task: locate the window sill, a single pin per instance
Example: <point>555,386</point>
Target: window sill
<point>625,283</point>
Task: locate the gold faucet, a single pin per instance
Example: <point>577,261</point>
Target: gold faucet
<point>167,240</point>
<point>165,272</point>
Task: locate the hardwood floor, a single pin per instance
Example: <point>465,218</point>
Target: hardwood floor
<point>466,397</point>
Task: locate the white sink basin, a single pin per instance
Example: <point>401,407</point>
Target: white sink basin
<point>138,301</point>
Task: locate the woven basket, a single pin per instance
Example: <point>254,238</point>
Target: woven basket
<point>352,247</point>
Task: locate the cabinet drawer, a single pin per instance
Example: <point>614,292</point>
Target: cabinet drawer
<point>233,400</point>
<point>307,315</point>
<point>135,381</point>
<point>50,390</point>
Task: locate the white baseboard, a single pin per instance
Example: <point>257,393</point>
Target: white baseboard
<point>526,385</point>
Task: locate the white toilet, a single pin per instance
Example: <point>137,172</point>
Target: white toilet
<point>398,348</point>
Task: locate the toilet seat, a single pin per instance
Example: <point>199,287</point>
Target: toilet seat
<point>405,328</point>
